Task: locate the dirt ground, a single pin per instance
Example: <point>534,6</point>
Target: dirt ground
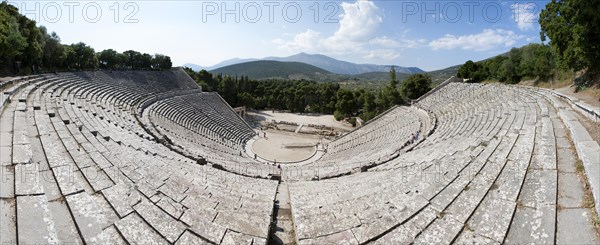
<point>317,119</point>
<point>590,96</point>
<point>273,147</point>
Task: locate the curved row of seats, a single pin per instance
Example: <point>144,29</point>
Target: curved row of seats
<point>83,170</point>
<point>82,163</point>
<point>487,174</point>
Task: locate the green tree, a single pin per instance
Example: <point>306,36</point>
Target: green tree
<point>108,58</point>
<point>467,70</point>
<point>81,56</point>
<point>345,105</point>
<point>573,27</point>
<point>132,61</point>
<point>145,61</point>
<point>416,85</point>
<point>12,43</point>
<point>161,62</point>
<point>32,54</point>
<point>54,52</point>
<point>391,91</point>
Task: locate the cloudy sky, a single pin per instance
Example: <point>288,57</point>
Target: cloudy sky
<point>426,34</point>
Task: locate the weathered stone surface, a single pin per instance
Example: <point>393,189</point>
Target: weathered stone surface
<point>56,154</point>
<point>65,227</point>
<point>373,226</point>
<point>122,198</point>
<point>232,237</point>
<point>109,235</point>
<point>70,144</point>
<point>92,214</point>
<point>100,161</point>
<point>570,190</point>
<point>28,179</point>
<point>5,155</point>
<point>202,226</point>
<point>82,160</point>
<point>68,179</point>
<point>136,231</point>
<point>21,138</point>
<point>159,220</point>
<point>35,222</point>
<point>566,160</point>
<point>343,237</point>
<point>539,188</point>
<point>173,208</point>
<point>96,178</point>
<point>492,218</point>
<point>562,142</point>
<point>22,154</point>
<point>400,235</point>
<point>589,153</point>
<point>533,225</point>
<point>246,223</point>
<point>8,221</point>
<point>6,138</point>
<point>7,184</point>
<point>469,237</point>
<point>188,238</point>
<point>441,231</point>
<point>574,227</point>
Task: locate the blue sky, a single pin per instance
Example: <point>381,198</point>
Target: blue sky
<point>426,34</point>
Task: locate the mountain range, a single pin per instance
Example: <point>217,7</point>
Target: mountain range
<point>270,69</point>
<point>320,61</point>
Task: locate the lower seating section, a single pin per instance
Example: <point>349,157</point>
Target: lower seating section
<point>377,142</point>
<point>78,168</point>
<point>487,174</point>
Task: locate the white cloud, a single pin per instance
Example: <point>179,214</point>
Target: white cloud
<point>385,42</point>
<point>413,43</point>
<point>358,26</point>
<point>486,40</point>
<point>359,22</point>
<point>524,14</point>
<point>356,34</point>
<point>385,54</point>
<point>308,41</point>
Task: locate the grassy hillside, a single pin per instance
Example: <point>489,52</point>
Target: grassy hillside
<point>439,76</point>
<point>266,69</point>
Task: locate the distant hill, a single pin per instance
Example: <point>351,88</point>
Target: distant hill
<point>441,75</point>
<point>265,69</point>
<point>321,61</point>
<point>219,65</point>
<point>341,67</point>
<point>194,67</point>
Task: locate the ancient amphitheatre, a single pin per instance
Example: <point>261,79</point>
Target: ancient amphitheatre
<point>147,157</point>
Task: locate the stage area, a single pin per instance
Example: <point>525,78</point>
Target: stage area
<point>286,147</point>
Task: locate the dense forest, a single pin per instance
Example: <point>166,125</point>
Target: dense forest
<point>26,48</point>
<point>573,27</point>
<point>528,62</point>
<point>310,96</point>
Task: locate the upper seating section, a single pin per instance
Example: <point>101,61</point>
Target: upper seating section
<point>151,81</point>
<point>202,124</point>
